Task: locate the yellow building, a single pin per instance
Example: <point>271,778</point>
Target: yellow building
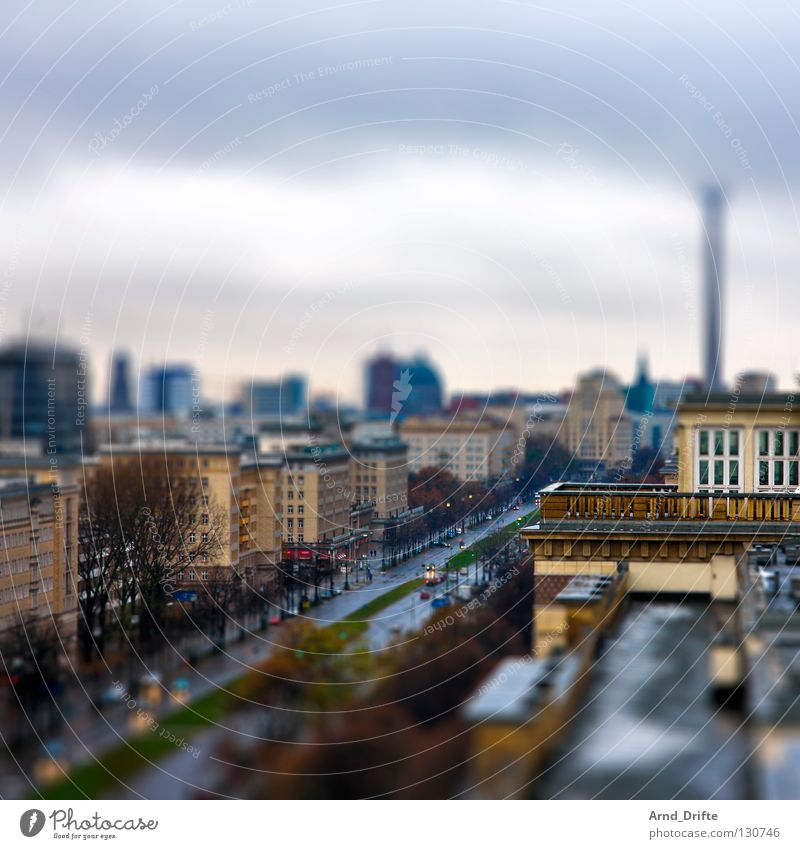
<point>39,553</point>
<point>734,442</point>
<point>379,476</point>
<point>470,447</point>
<point>261,513</point>
<point>217,471</point>
<point>316,497</point>
<point>597,427</point>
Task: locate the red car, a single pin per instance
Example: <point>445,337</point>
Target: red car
<point>424,595</point>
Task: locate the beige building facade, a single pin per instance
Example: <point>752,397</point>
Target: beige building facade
<point>731,442</point>
<point>39,553</point>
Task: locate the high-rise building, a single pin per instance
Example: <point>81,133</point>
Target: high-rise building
<point>286,397</point>
<point>44,397</point>
<point>713,251</point>
<point>398,388</point>
<point>419,389</point>
<point>170,389</point>
<point>381,373</point>
<point>120,398</point>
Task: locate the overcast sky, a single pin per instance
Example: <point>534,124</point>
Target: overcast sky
<point>510,186</point>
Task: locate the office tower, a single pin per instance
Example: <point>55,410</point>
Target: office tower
<point>119,384</point>
<point>283,398</point>
<point>171,389</point>
<point>398,388</point>
<point>44,397</point>
<point>713,250</point>
<point>381,373</point>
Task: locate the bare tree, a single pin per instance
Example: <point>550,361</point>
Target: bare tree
<point>144,522</point>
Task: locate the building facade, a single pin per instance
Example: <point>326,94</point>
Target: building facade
<point>39,554</point>
<point>598,428</point>
<point>729,442</point>
<point>477,448</point>
<point>45,394</point>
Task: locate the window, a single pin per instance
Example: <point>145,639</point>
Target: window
<point>301,494</point>
<point>205,518</point>
<point>204,574</point>
<point>774,471</point>
<point>192,537</point>
<point>718,462</point>
<point>192,574</point>
<point>290,508</point>
<point>300,508</point>
<point>204,537</point>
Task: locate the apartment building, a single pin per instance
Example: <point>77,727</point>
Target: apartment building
<point>217,470</point>
<point>260,513</point>
<point>737,442</point>
<point>39,553</point>
<point>316,499</point>
<point>379,475</point>
<point>470,447</point>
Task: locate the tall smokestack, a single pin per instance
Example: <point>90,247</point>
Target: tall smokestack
<point>713,248</point>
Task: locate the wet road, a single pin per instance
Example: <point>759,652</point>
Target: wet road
<point>182,776</point>
<point>649,728</point>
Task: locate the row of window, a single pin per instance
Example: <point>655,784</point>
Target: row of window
<point>776,442</point>
<point>719,458</point>
<point>15,539</point>
<point>21,591</point>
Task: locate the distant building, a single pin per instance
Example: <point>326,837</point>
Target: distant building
<point>755,382</point>
<point>641,393</point>
<point>469,447</point>
<point>381,373</point>
<point>599,430</point>
<point>45,397</point>
<point>171,389</point>
<point>397,388</point>
<point>120,394</point>
<point>286,397</point>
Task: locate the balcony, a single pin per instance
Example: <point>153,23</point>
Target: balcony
<point>643,508</point>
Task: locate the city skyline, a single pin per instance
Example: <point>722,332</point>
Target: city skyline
<point>383,188</point>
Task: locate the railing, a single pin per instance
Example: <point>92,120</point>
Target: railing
<point>609,504</point>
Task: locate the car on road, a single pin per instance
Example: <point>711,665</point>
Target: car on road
<point>424,595</point>
<point>442,544</point>
<point>440,601</point>
<point>459,531</point>
<point>464,572</point>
